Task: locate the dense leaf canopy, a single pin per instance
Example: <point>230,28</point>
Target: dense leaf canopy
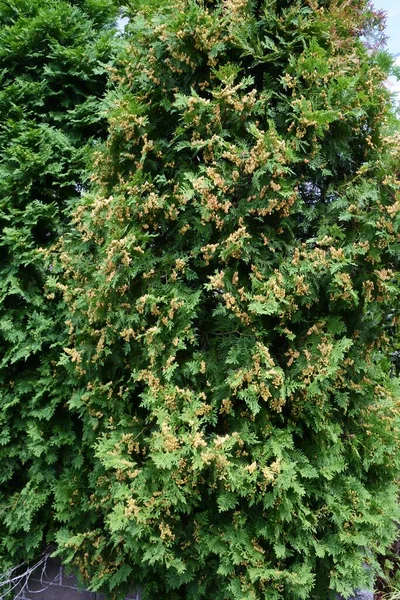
<point>232,340</point>
<point>222,420</point>
<point>52,77</point>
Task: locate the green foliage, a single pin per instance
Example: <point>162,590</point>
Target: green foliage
<point>227,424</point>
<point>231,339</point>
<point>53,74</point>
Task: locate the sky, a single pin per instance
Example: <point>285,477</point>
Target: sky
<point>392,8</point>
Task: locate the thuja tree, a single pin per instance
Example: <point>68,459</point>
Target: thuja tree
<point>52,72</point>
<point>230,279</point>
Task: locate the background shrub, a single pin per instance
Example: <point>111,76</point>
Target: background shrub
<point>53,75</point>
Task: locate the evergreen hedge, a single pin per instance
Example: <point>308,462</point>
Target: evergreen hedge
<point>231,288</point>
<point>230,282</point>
<point>52,77</point>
